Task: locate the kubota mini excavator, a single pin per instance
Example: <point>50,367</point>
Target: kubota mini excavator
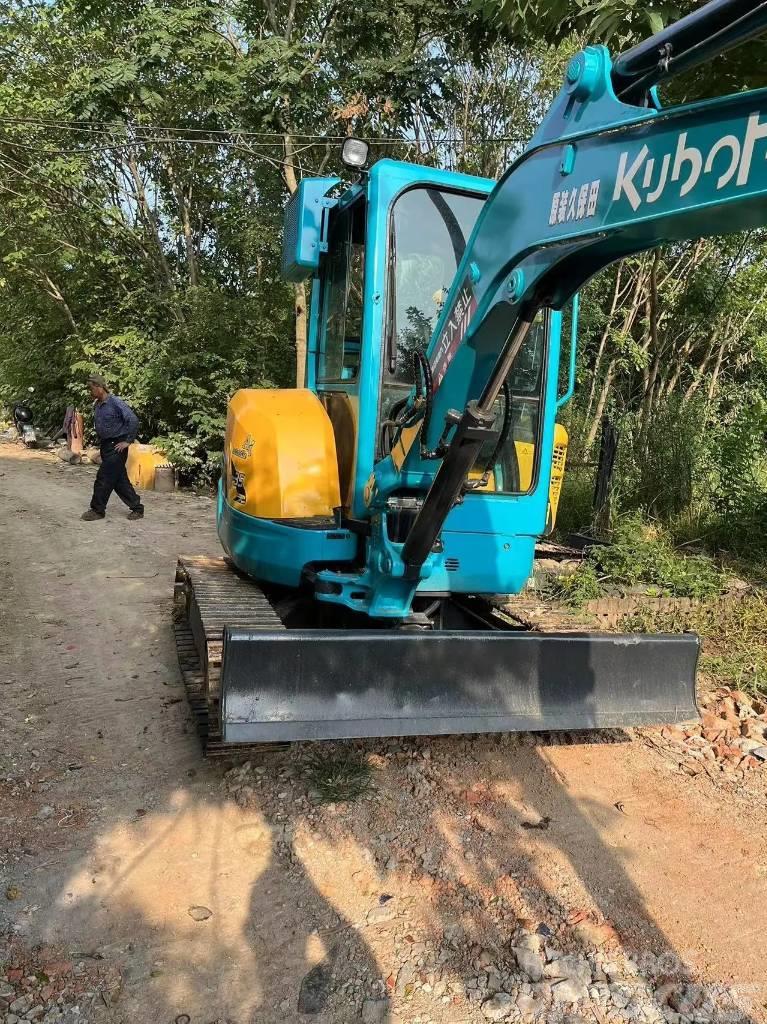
<point>366,515</point>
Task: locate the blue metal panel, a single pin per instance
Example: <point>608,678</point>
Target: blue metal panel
<point>312,341</point>
<point>305,215</point>
<point>277,551</point>
<point>481,562</point>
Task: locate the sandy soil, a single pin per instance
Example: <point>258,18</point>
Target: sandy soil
<point>112,828</point>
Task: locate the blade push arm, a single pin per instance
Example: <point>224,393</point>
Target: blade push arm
<point>600,181</point>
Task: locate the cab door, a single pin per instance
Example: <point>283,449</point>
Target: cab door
<point>340,335</point>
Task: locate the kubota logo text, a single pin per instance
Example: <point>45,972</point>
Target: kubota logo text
<point>729,158</point>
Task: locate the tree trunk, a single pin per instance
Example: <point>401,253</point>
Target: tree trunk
<point>49,287</point>
<point>595,423</point>
<point>191,255</point>
<point>628,323</point>
<point>603,341</point>
<point>717,368</point>
<point>57,295</point>
<point>151,225</point>
<point>184,211</point>
<point>299,291</point>
<point>699,374</point>
<point>679,363</point>
<point>654,345</point>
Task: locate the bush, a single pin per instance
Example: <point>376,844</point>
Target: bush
<point>642,556</point>
<point>699,470</point>
<point>662,471</point>
<point>576,502</point>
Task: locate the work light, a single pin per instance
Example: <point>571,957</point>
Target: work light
<point>354,153</point>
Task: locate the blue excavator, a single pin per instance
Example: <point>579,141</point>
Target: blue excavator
<point>369,517</point>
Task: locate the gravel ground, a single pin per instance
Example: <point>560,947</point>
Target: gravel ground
<point>564,878</point>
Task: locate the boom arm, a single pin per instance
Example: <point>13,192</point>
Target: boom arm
<point>600,181</point>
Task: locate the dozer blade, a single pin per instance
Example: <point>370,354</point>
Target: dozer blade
<point>317,684</point>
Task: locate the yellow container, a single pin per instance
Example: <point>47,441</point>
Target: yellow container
<point>143,460</point>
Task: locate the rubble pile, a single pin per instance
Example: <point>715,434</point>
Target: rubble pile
<point>730,739</point>
<point>39,985</point>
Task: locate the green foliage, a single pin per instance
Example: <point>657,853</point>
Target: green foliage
<point>146,153</point>
<point>575,510</point>
<point>660,469</point>
<point>642,559</point>
<point>339,774</point>
<point>641,555</point>
<point>577,589</point>
<point>617,21</point>
<point>622,24</point>
<point>140,228</point>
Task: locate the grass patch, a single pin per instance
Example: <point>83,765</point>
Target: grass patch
<point>578,588</point>
<point>339,775</point>
<point>641,557</point>
<point>733,633</point>
<point>575,510</point>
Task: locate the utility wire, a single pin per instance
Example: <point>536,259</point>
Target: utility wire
<point>107,146</point>
<point>262,157</point>
<point>118,147</point>
<point>105,127</point>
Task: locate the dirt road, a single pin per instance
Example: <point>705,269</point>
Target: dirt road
<point>167,891</point>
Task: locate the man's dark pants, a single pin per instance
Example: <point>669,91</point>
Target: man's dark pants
<point>113,476</point>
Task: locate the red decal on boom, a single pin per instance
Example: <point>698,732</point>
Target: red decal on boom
<point>453,333</point>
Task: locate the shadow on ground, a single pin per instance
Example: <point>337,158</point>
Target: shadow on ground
<point>268,907</point>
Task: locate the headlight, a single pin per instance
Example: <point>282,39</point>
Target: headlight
<point>354,153</point>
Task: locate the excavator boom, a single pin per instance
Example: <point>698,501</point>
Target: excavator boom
<point>600,181</point>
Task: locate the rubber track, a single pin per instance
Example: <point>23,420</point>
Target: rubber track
<point>210,594</point>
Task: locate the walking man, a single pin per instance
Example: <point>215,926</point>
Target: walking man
<point>116,426</point>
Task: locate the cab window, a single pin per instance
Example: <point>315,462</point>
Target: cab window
<point>343,297</point>
<point>429,231</point>
<point>514,470</point>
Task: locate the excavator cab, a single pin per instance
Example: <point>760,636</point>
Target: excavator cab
<point>381,256</point>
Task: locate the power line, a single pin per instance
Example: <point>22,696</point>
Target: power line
<point>128,144</point>
<point>108,148</point>
<point>110,126</point>
<point>105,127</point>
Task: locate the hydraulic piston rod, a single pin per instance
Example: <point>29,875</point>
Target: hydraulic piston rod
<point>703,34</point>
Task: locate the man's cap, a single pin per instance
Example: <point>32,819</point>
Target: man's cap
<point>97,379</point>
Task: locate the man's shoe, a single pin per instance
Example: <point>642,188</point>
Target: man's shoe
<point>91,514</point>
<point>137,513</point>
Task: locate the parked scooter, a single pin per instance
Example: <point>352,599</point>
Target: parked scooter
<point>23,419</point>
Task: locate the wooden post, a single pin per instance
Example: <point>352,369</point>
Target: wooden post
<point>75,433</point>
<point>608,448</point>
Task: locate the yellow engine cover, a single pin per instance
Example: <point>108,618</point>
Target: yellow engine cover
<point>280,455</point>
